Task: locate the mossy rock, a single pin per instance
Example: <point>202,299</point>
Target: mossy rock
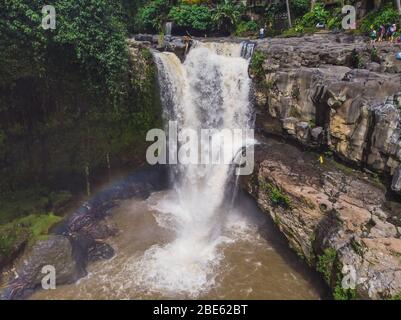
<point>22,231</point>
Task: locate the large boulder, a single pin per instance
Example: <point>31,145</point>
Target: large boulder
<point>56,251</point>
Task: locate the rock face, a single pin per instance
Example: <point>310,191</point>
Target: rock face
<point>334,217</point>
<point>56,251</point>
<point>176,45</point>
<point>336,92</point>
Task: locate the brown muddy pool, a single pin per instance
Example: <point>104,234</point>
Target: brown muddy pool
<point>249,260</point>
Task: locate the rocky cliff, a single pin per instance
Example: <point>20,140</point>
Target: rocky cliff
<point>337,95</point>
<point>336,92</point>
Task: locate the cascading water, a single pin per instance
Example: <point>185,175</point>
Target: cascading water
<point>210,90</point>
<point>195,240</point>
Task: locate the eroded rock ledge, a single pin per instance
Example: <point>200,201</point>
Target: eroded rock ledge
<point>336,92</point>
<point>332,216</point>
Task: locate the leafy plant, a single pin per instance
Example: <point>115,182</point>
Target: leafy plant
<point>384,16</point>
<point>226,15</point>
<point>256,65</point>
<point>276,195</point>
<point>30,228</point>
<point>325,263</point>
<point>245,28</point>
<point>298,8</point>
<point>197,17</point>
<point>356,60</point>
<point>317,15</point>
<point>374,55</point>
<point>328,265</point>
<point>396,297</point>
<point>151,16</point>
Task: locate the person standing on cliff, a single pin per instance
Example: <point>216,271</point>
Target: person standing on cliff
<point>382,33</point>
<point>392,31</point>
<point>373,35</point>
<point>262,33</point>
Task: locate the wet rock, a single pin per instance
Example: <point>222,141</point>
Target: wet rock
<point>17,248</point>
<point>177,45</point>
<point>396,183</point>
<point>303,131</point>
<point>144,37</point>
<point>100,251</point>
<point>317,134</point>
<point>56,251</point>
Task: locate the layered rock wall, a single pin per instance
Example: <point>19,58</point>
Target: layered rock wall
<point>336,92</point>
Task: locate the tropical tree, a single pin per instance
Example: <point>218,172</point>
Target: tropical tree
<point>288,13</point>
<point>226,15</point>
<point>398,5</point>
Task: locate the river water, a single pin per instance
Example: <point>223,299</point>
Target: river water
<point>197,240</point>
<point>255,261</point>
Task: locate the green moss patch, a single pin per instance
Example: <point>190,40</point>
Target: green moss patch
<point>256,65</point>
<point>26,229</point>
<point>329,266</point>
<point>276,195</point>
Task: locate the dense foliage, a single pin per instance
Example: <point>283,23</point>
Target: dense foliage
<point>196,17</point>
<point>71,100</point>
<point>222,17</point>
<point>386,15</point>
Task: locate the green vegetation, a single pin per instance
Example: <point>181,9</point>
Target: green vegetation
<point>312,124</point>
<point>221,17</point>
<point>256,65</point>
<point>342,294</point>
<point>27,229</point>
<point>226,15</point>
<point>295,93</point>
<point>374,57</point>
<point>73,103</point>
<point>276,195</point>
<point>152,15</point>
<point>246,28</point>
<point>328,265</point>
<point>375,19</point>
<point>192,17</point>
<point>356,61</point>
<point>31,201</point>
<point>396,297</point>
<point>325,263</point>
<point>317,15</point>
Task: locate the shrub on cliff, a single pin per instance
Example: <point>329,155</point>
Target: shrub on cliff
<point>150,18</point>
<point>246,28</point>
<point>386,15</point>
<point>193,17</point>
<point>317,15</point>
<point>227,15</point>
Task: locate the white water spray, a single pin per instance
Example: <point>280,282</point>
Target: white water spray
<point>210,90</point>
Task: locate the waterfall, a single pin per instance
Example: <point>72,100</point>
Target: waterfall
<point>247,49</point>
<point>209,90</point>
<point>169,28</point>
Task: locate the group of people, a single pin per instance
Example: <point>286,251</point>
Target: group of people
<point>386,32</point>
